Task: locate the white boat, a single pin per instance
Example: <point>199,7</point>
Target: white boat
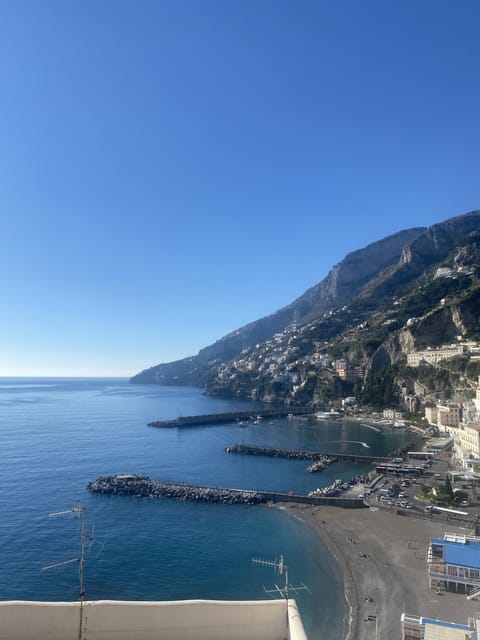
<point>328,415</point>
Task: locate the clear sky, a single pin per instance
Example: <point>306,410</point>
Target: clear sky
<point>172,170</point>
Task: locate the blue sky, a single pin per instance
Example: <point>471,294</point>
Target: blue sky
<point>172,170</point>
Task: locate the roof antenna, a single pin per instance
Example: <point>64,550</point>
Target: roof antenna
<point>86,541</point>
<point>280,567</point>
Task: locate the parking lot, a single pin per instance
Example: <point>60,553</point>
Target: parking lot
<point>412,494</point>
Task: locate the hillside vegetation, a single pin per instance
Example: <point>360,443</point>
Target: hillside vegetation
<point>416,289</point>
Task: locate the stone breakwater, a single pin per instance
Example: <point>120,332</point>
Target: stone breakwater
<point>233,416</point>
<point>295,454</point>
<point>143,486</point>
<point>319,465</point>
<point>320,460</point>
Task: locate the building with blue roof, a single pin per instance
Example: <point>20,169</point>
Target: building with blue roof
<point>453,563</point>
<point>421,628</point>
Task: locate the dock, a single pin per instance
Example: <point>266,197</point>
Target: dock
<point>319,461</point>
<point>142,486</point>
<point>295,454</point>
<point>232,416</point>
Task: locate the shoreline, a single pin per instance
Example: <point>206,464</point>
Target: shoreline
<point>382,557</point>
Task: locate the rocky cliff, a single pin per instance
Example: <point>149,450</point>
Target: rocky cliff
<point>416,288</point>
<point>342,283</point>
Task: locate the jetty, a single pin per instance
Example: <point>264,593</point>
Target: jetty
<point>295,454</point>
<point>319,461</point>
<point>233,416</point>
<point>142,486</point>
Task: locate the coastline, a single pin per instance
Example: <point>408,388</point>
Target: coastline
<point>382,557</point>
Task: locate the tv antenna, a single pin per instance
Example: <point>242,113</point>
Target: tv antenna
<point>86,541</point>
<point>280,568</point>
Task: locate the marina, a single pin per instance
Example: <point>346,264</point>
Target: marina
<point>145,547</point>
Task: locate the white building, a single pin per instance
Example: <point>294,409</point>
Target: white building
<point>444,415</point>
<point>421,628</point>
<point>470,440</point>
<point>453,563</point>
<point>393,414</point>
<point>444,272</point>
<point>433,356</point>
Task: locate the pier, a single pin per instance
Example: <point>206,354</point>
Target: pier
<point>142,486</point>
<point>295,454</point>
<point>232,416</point>
<point>320,461</point>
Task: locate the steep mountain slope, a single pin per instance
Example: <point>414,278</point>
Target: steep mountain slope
<point>343,282</point>
<point>415,289</point>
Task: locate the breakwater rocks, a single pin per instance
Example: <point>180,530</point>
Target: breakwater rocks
<point>233,416</point>
<point>321,460</point>
<point>319,465</point>
<point>143,486</point>
<point>331,490</point>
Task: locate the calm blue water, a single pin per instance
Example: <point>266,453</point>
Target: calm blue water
<point>57,434</point>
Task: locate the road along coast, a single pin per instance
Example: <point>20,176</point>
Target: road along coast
<point>383,557</point>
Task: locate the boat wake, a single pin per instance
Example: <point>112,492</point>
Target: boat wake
<point>369,426</point>
<point>364,444</point>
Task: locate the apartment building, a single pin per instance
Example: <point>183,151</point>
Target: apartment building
<point>433,356</point>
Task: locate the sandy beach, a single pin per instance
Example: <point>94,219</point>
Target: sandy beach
<point>383,559</point>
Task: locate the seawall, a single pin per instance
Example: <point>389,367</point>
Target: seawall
<point>232,416</point>
<point>295,454</point>
<point>143,486</point>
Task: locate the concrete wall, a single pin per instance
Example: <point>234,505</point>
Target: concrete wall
<point>346,503</point>
<point>183,620</point>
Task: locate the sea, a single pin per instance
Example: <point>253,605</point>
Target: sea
<point>57,434</point>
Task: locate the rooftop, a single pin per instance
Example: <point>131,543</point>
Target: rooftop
<point>464,554</point>
<point>182,620</point>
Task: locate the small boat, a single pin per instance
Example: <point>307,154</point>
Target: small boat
<point>243,423</point>
<point>328,415</point>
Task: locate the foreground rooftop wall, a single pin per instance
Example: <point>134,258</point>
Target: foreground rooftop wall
<point>183,620</point>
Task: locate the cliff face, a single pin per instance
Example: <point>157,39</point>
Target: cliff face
<point>376,305</point>
<point>436,242</point>
<point>347,279</point>
<point>340,285</point>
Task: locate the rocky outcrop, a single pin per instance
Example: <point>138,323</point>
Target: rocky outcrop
<point>435,243</point>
